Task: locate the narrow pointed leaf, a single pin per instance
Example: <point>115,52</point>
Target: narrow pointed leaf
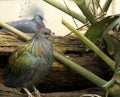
<point>112,24</point>
<point>110,44</point>
<point>96,31</point>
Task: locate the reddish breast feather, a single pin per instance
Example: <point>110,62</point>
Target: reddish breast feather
<point>38,26</point>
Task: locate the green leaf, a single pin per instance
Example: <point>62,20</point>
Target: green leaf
<point>112,24</point>
<point>98,31</point>
<point>95,31</point>
<point>110,44</point>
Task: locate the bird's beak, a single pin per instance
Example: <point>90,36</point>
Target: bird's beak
<point>52,34</point>
<point>41,17</point>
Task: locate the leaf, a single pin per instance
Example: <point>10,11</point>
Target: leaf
<point>117,77</point>
<point>95,31</point>
<point>110,44</point>
<point>111,25</point>
<point>99,30</point>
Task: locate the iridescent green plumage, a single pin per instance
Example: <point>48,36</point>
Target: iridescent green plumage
<point>30,63</point>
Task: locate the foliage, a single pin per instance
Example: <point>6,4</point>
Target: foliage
<point>99,27</point>
<point>99,32</point>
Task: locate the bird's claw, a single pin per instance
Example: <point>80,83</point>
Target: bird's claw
<point>27,92</point>
<point>37,93</point>
<point>30,95</point>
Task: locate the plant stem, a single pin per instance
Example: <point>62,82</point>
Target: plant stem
<point>14,31</point>
<point>81,4</point>
<point>103,56</point>
<point>82,71</point>
<point>106,5</point>
<point>64,9</point>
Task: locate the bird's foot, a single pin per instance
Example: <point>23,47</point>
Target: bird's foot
<point>30,95</point>
<point>28,92</point>
<point>37,93</point>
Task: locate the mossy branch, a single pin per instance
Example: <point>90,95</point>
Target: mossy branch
<point>103,56</point>
<point>64,9</point>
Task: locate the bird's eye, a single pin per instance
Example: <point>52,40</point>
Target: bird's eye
<point>46,33</point>
<point>41,17</point>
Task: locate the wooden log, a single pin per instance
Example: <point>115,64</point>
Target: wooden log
<point>8,43</point>
<point>60,78</point>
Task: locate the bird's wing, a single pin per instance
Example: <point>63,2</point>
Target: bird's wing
<point>20,60</point>
<point>21,68</point>
<point>27,26</point>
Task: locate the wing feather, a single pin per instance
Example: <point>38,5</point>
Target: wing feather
<point>20,59</point>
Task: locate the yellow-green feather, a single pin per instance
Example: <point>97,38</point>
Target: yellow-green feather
<point>19,57</point>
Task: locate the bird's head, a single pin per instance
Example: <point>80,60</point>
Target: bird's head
<point>38,17</point>
<point>39,13</point>
<point>43,33</point>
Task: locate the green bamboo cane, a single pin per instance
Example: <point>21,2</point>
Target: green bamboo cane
<point>63,8</point>
<point>103,56</point>
<point>79,69</point>
<point>14,31</point>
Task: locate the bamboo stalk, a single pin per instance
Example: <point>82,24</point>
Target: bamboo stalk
<point>81,4</point>
<point>80,70</point>
<point>14,31</point>
<point>64,9</point>
<point>103,56</point>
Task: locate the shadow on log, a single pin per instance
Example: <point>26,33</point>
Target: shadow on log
<point>60,77</point>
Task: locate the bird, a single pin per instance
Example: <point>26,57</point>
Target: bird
<point>30,63</point>
<point>29,25</point>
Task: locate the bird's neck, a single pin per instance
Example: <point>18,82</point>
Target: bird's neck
<point>39,47</point>
<point>37,19</point>
<point>38,26</point>
<point>39,22</point>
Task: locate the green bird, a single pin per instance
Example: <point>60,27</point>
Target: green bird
<point>30,63</point>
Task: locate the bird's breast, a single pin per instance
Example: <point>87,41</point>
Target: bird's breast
<point>42,48</point>
<point>39,26</point>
